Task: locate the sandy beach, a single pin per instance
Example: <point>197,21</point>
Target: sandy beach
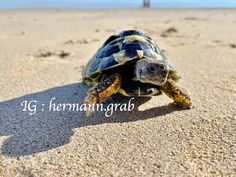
<point>42,54</point>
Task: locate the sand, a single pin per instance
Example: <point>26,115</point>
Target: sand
<point>42,55</point>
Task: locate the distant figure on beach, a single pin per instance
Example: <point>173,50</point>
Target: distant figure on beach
<point>146,3</point>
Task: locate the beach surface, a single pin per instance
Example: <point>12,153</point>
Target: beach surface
<point>42,54</point>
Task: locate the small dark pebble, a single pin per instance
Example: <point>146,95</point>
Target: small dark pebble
<point>69,42</point>
<point>169,31</point>
<point>64,54</point>
<point>172,30</point>
<point>78,41</point>
<point>164,35</point>
<point>233,46</point>
<point>47,54</point>
<point>61,54</point>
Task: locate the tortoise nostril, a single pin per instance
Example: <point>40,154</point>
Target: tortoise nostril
<point>162,67</point>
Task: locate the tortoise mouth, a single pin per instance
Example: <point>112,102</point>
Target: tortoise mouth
<point>157,81</point>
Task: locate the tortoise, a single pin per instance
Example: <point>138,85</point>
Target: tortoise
<point>131,64</point>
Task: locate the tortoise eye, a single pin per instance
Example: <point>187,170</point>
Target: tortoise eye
<point>152,68</point>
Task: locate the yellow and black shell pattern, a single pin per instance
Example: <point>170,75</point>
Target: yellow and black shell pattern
<point>117,50</point>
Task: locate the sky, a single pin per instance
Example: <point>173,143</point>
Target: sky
<point>115,3</point>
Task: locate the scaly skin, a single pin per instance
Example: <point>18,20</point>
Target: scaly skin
<point>180,96</point>
<point>102,91</point>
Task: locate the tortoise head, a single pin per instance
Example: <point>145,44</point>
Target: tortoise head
<point>152,71</point>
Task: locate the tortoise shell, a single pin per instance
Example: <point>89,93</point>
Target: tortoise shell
<point>117,50</point>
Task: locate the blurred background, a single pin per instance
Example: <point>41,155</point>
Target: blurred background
<point>5,4</point>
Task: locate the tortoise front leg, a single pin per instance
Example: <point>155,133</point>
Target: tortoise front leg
<point>180,95</point>
<point>101,92</point>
